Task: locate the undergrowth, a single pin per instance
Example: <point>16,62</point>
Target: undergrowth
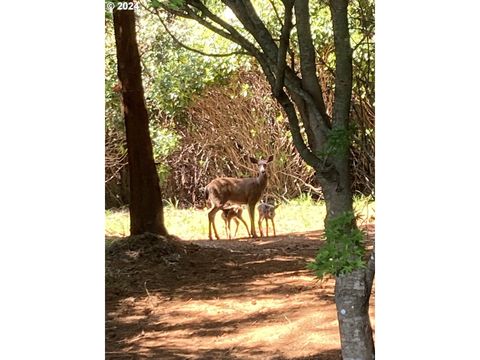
<point>344,249</point>
<point>302,214</point>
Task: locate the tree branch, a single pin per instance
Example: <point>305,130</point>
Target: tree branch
<point>283,47</point>
<point>276,12</point>
<point>178,42</point>
<point>226,30</point>
<point>325,168</point>
<point>343,66</point>
<point>311,187</point>
<point>297,138</point>
<point>308,66</point>
<point>247,15</point>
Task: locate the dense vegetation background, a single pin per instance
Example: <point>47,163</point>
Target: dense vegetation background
<point>209,113</point>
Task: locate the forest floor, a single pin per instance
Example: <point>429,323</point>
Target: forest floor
<point>225,299</point>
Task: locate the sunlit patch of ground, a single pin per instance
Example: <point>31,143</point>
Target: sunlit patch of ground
<point>225,300</point>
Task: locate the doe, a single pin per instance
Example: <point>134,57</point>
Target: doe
<point>238,191</point>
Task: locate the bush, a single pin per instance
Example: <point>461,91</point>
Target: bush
<point>226,125</point>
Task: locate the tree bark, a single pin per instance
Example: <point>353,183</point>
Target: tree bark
<point>308,66</point>
<point>352,290</point>
<point>352,295</point>
<point>146,209</point>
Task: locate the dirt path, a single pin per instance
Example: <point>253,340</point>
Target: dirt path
<point>238,299</point>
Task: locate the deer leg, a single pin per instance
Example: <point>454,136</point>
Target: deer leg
<point>244,223</point>
<point>273,224</point>
<point>211,223</point>
<point>230,229</point>
<point>251,212</point>
<point>236,227</point>
<point>266,221</point>
<point>226,226</point>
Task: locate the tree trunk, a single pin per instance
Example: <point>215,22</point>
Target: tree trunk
<point>146,210</point>
<point>352,295</point>
<point>352,290</point>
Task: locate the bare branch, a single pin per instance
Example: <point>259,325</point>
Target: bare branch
<point>279,18</point>
<point>311,187</point>
<point>343,66</point>
<point>307,58</point>
<point>283,46</point>
<point>245,12</point>
<point>325,168</point>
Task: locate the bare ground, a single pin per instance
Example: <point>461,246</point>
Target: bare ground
<point>227,299</point>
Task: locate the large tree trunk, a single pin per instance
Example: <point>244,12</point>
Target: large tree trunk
<point>352,290</point>
<point>146,210</point>
<point>352,294</point>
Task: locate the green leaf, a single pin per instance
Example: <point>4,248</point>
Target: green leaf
<point>343,251</point>
<point>154,4</point>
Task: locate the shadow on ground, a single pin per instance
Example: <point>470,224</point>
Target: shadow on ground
<point>227,299</point>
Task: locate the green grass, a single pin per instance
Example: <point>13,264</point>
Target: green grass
<point>298,215</point>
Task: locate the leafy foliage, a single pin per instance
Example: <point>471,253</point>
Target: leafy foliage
<point>343,250</point>
<point>174,77</point>
<point>339,141</point>
<point>164,142</point>
<point>173,74</point>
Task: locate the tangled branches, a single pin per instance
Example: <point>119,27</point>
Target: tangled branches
<point>227,124</point>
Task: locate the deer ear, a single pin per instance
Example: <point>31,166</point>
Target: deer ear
<point>253,160</point>
<point>270,158</point>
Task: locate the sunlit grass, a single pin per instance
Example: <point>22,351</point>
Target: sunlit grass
<point>117,222</point>
<point>298,215</point>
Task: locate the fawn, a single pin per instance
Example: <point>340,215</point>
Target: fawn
<point>267,212</point>
<point>238,191</point>
<point>233,213</point>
